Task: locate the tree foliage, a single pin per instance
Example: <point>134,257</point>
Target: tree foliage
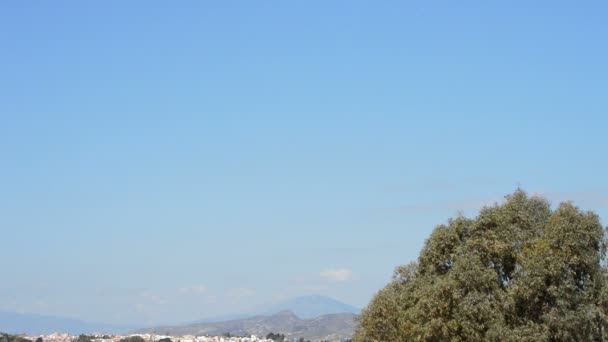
<point>85,338</point>
<point>12,338</point>
<point>133,339</point>
<point>276,337</point>
<point>519,271</point>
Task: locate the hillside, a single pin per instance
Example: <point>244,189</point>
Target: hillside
<point>332,327</point>
<point>311,306</point>
<point>305,307</point>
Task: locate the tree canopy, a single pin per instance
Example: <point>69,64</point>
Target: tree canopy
<point>85,338</point>
<point>132,339</point>
<point>519,271</point>
<point>276,337</point>
<point>12,338</point>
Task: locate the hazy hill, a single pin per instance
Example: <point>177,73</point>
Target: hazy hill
<point>304,307</point>
<point>311,317</point>
<point>332,327</point>
<point>17,323</point>
<point>311,306</point>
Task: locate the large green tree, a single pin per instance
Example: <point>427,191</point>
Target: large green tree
<point>12,338</point>
<point>519,271</point>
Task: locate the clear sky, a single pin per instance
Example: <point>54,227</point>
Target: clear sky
<point>167,161</point>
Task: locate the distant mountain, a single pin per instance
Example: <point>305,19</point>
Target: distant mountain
<point>16,323</point>
<point>332,327</point>
<point>222,318</point>
<point>304,307</point>
<point>295,316</point>
<point>311,306</point>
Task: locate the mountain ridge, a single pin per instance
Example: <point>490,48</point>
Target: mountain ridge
<point>308,316</point>
<point>330,327</point>
<point>307,306</point>
<point>311,306</point>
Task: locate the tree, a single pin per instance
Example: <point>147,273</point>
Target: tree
<point>12,338</point>
<point>133,339</point>
<point>276,337</point>
<point>85,338</point>
<point>519,271</point>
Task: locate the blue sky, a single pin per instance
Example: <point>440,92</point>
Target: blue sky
<point>163,162</point>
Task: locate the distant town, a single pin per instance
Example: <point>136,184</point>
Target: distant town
<point>63,337</point>
<point>59,337</point>
<point>306,318</point>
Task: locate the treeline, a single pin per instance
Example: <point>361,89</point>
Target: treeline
<point>133,339</point>
<point>89,338</point>
<point>276,337</point>
<point>16,338</point>
<point>4,337</point>
<point>281,338</point>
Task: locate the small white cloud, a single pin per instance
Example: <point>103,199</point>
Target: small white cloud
<point>198,289</point>
<point>337,275</point>
<point>153,297</point>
